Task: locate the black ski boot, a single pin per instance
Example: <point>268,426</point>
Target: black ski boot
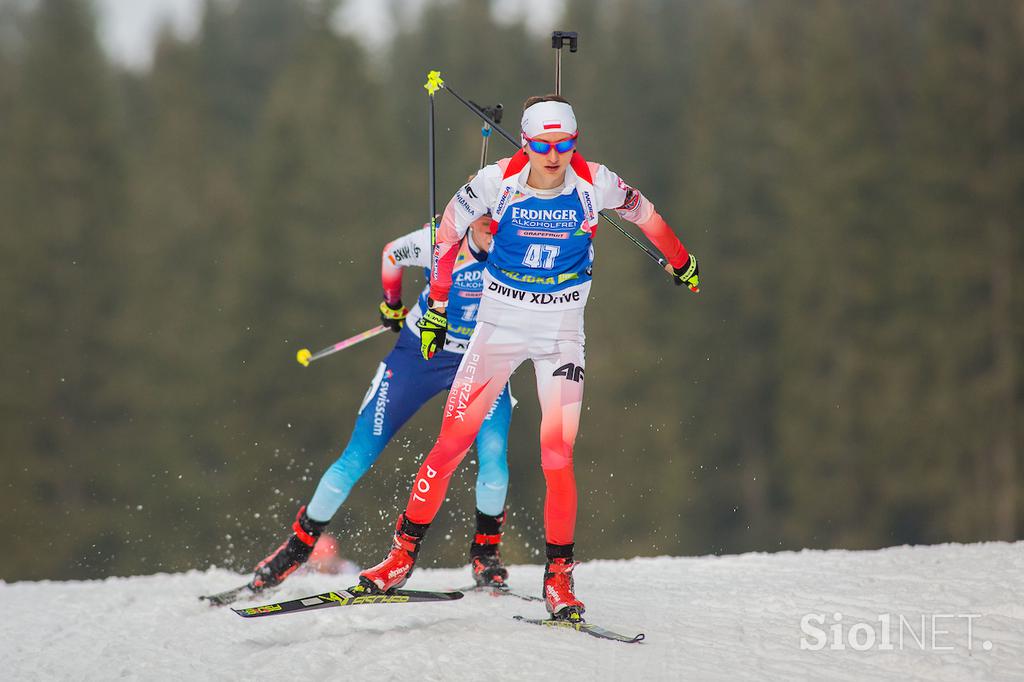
<point>292,553</point>
<point>484,557</point>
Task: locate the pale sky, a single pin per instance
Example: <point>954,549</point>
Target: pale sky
<point>128,27</point>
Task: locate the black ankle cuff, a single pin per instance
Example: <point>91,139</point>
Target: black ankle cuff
<point>416,530</point>
<point>482,550</point>
<point>487,524</point>
<point>560,551</point>
<point>310,526</point>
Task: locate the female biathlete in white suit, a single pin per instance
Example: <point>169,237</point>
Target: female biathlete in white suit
<point>544,202</point>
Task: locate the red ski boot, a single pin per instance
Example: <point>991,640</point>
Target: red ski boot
<point>397,566</point>
<point>292,553</point>
<point>484,555</point>
<point>561,603</point>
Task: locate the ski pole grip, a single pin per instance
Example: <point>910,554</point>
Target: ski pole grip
<point>434,82</point>
<point>560,38</point>
<point>495,112</point>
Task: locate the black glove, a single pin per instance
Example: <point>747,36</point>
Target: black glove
<point>393,315</point>
<point>688,274</point>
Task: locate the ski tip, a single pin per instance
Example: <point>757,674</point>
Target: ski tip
<point>226,597</point>
<point>265,610</point>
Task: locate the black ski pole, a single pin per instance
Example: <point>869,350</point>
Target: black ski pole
<point>432,85</point>
<point>558,41</point>
<point>480,113</point>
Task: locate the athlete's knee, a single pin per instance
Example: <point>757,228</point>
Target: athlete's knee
<point>558,432</point>
<point>492,474</point>
<point>491,446</point>
<point>558,456</point>
<point>453,441</point>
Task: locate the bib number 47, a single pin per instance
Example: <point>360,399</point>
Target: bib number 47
<point>541,256</point>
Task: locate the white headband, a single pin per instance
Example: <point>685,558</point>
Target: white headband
<point>548,117</point>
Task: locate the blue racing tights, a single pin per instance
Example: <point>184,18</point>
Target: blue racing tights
<point>403,384</point>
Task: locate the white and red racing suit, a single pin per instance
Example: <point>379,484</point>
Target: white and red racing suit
<point>536,285</point>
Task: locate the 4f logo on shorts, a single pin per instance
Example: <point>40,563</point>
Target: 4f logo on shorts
<point>571,372</point>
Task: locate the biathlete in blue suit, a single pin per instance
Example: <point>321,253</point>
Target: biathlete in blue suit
<point>404,382</point>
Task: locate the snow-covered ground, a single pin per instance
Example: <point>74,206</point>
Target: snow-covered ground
<point>904,614</point>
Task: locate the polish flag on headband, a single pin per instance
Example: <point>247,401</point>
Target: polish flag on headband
<point>549,117</point>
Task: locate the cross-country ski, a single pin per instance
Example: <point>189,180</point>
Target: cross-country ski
<point>584,627</point>
<point>353,596</point>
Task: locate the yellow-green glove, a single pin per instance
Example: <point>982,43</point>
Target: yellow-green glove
<point>688,274</point>
<point>433,328</point>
